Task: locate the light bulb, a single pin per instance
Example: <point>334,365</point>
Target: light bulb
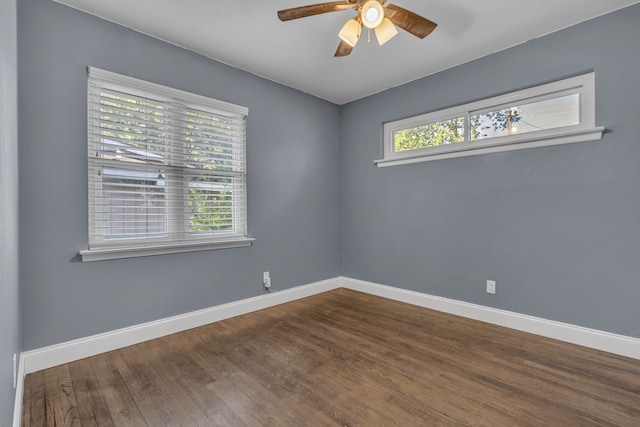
<point>372,14</point>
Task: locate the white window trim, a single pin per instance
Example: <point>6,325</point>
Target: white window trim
<point>131,249</point>
<point>102,254</point>
<point>160,90</point>
<point>584,131</point>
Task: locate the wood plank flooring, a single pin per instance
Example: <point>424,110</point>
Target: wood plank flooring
<point>341,358</point>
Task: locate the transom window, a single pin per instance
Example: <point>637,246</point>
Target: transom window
<point>166,169</point>
<point>554,113</point>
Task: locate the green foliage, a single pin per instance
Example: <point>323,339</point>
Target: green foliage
<point>209,141</point>
<point>452,131</point>
<point>493,121</point>
<point>439,133</point>
<point>210,209</point>
<point>132,121</point>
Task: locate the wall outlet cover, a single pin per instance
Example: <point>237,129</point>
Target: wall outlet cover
<point>491,286</point>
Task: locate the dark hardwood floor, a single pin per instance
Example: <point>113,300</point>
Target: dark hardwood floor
<point>341,358</point>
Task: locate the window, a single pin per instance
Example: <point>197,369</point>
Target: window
<point>554,113</point>
<point>166,170</point>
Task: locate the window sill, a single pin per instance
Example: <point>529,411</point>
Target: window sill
<point>468,150</point>
<point>102,254</point>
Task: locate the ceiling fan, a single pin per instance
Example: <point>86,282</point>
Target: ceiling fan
<point>371,14</point>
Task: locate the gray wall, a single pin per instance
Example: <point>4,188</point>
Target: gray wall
<point>293,183</point>
<point>9,290</point>
<point>558,227</point>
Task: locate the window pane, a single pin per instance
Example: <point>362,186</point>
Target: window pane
<point>165,166</point>
<point>210,141</point>
<point>210,205</point>
<point>131,129</point>
<point>133,203</point>
<point>548,114</point>
<point>431,135</point>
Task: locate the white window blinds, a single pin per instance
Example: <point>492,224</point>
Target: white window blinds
<point>166,167</point>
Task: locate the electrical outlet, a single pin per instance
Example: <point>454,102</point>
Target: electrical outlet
<point>266,280</point>
<point>491,286</point>
<point>15,370</point>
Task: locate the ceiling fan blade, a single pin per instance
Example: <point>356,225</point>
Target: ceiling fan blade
<point>409,21</point>
<point>343,49</point>
<point>315,9</point>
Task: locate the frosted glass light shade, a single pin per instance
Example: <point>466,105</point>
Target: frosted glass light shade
<point>350,32</point>
<point>372,14</point>
<point>385,31</point>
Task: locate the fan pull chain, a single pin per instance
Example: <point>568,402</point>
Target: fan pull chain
<point>369,35</point>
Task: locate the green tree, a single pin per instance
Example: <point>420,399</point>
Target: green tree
<point>209,143</point>
<point>210,208</point>
<point>431,135</point>
<point>452,131</point>
<point>494,121</point>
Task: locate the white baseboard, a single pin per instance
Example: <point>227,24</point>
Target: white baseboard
<point>600,340</point>
<point>46,357</point>
<point>35,360</point>
<point>17,406</point>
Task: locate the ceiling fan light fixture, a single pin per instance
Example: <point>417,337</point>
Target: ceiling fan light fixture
<point>372,14</point>
<point>385,31</point>
<point>350,32</point>
<point>385,19</point>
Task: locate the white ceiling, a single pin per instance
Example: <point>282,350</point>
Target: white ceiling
<point>247,34</point>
